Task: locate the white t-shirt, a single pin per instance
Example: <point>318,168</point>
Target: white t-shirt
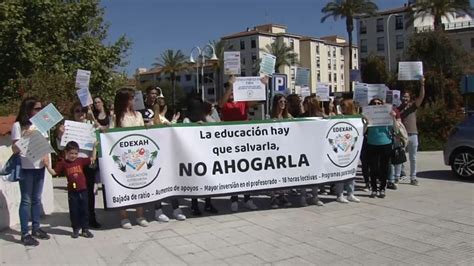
<point>17,133</point>
<point>129,120</point>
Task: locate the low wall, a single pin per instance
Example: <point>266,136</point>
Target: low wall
<point>10,192</point>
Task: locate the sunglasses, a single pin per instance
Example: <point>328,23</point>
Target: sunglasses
<point>78,111</point>
<point>37,108</point>
<point>378,103</point>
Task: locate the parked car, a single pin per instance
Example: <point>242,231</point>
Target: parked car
<point>459,149</point>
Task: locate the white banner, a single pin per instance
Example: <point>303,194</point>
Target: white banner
<point>145,165</point>
<point>410,70</point>
<point>249,89</point>
<point>378,115</point>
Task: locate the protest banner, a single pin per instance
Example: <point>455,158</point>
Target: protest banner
<point>410,70</point>
<point>82,133</point>
<point>302,76</point>
<point>47,118</point>
<point>139,165</point>
<point>322,91</point>
<point>83,78</point>
<point>393,97</point>
<point>249,89</point>
<point>378,115</point>
<point>267,65</point>
<point>361,96</point>
<point>232,63</point>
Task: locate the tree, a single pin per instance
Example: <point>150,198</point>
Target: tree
<point>172,63</point>
<point>348,9</point>
<point>284,54</point>
<point>439,9</point>
<point>56,37</point>
<point>373,70</point>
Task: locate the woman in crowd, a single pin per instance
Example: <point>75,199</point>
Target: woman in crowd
<point>295,107</point>
<point>32,178</point>
<point>199,112</point>
<point>347,108</point>
<point>379,147</point>
<point>329,108</point>
<point>279,111</point>
<point>101,112</point>
<point>125,116</point>
<point>312,108</point>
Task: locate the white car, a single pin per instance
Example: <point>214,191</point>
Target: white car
<point>459,149</point>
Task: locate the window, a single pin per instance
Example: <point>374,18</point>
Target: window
<point>253,43</point>
<point>341,51</point>
<point>380,44</point>
<point>363,46</point>
<point>292,44</point>
<point>210,91</point>
<point>293,73</point>
<point>400,43</point>
<point>334,66</point>
<point>242,45</point>
<point>472,42</point>
<point>363,27</point>
<point>335,87</point>
<point>380,25</point>
<point>319,75</point>
<point>242,60</point>
<point>329,52</point>
<point>318,62</point>
<point>355,54</point>
<point>342,66</point>
<point>334,52</point>
<point>330,88</point>
<point>254,57</point>
<point>342,76</point>
<point>329,77</point>
<point>335,77</point>
<point>188,77</point>
<point>329,65</point>
<point>242,73</point>
<point>399,22</point>
<point>317,48</point>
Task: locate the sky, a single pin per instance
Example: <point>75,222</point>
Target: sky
<point>157,25</point>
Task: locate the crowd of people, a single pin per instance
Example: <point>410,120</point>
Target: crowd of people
<point>81,167</point>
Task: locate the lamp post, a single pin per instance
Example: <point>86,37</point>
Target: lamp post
<point>388,42</point>
<point>203,61</point>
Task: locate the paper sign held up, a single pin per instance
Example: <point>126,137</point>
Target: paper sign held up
<point>410,70</point>
<point>34,146</point>
<point>249,89</point>
<point>267,65</point>
<point>232,63</point>
<point>83,78</point>
<point>47,118</point>
<point>84,96</point>
<point>322,91</point>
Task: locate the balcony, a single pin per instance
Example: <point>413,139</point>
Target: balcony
<point>448,26</point>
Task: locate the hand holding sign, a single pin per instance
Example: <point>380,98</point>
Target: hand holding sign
<point>410,70</point>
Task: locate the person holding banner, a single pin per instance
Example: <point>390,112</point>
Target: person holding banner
<point>347,108</point>
<point>32,178</point>
<point>126,116</point>
<point>236,111</point>
<point>408,114</point>
<point>379,148</point>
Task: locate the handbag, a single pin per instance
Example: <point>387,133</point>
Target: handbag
<point>11,171</point>
<point>398,155</point>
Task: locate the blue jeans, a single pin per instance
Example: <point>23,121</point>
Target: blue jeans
<point>395,172</point>
<point>412,149</point>
<point>31,187</point>
<point>348,185</point>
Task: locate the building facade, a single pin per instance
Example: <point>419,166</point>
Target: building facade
<point>386,34</point>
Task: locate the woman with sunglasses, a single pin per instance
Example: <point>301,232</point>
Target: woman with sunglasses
<point>126,116</point>
<point>32,179</point>
<point>379,147</point>
<point>81,114</point>
<point>279,111</point>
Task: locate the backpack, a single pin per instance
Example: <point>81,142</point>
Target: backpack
<point>11,171</point>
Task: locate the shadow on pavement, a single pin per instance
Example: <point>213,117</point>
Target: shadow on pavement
<point>446,175</point>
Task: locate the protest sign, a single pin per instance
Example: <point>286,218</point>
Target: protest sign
<point>267,65</point>
<point>378,115</point>
<point>302,76</point>
<point>361,96</point>
<point>34,146</point>
<point>355,75</point>
<point>84,96</point>
<point>305,91</point>
<point>83,78</point>
<point>410,70</point>
<point>144,165</point>
<point>82,133</point>
<point>47,118</point>
<point>232,63</point>
<point>393,97</point>
<point>322,91</point>
<point>249,89</point>
<point>138,103</point>
<point>376,91</point>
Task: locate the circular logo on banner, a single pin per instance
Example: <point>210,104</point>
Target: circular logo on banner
<point>342,138</point>
<point>134,157</point>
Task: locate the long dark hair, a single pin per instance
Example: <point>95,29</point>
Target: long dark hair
<point>195,108</point>
<point>74,107</point>
<point>122,97</point>
<point>312,106</point>
<point>275,106</point>
<point>294,105</point>
<point>26,109</point>
<point>96,112</point>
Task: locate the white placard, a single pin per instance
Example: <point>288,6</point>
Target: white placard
<point>305,91</point>
<point>249,89</point>
<point>145,165</point>
<point>232,63</point>
<point>84,96</point>
<point>322,91</point>
<point>47,118</point>
<point>361,96</point>
<point>376,91</point>
<point>82,133</point>
<point>410,70</point>
<point>393,97</point>
<point>34,146</point>
<point>302,76</point>
<point>138,102</point>
<point>378,115</point>
<point>83,78</point>
<point>267,65</point>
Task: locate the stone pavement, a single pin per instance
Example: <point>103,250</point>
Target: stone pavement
<point>432,224</point>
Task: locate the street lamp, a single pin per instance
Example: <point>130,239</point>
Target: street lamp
<point>388,42</point>
<point>203,61</point>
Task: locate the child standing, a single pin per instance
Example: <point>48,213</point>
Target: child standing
<point>72,167</point>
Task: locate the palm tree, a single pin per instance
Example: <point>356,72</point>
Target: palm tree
<point>172,63</point>
<point>285,56</point>
<point>439,9</point>
<point>348,9</point>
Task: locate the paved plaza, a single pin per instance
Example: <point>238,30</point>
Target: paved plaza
<point>432,224</point>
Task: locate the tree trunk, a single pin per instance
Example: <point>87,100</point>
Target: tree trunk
<point>349,32</point>
<point>438,24</point>
<point>173,80</point>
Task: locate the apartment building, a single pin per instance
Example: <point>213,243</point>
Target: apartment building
<point>326,57</point>
<point>386,34</point>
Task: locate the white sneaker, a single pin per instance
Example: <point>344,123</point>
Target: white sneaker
<point>178,215</point>
<point>142,222</point>
<point>234,206</point>
<point>303,202</point>
<point>316,201</point>
<point>353,198</point>
<point>160,216</point>
<point>126,224</point>
<point>341,199</point>
<point>250,205</point>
